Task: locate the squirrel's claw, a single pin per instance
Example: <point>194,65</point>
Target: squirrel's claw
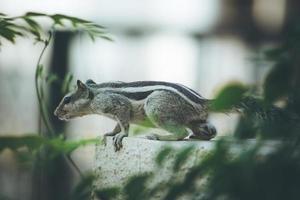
<point>104,140</point>
<point>117,140</point>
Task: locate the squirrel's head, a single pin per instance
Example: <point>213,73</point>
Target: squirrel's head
<point>76,103</point>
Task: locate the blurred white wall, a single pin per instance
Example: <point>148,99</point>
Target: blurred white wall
<point>179,14</point>
<point>18,103</point>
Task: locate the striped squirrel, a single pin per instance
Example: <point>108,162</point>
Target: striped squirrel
<point>169,106</point>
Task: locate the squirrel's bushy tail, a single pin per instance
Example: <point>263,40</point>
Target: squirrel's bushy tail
<point>245,105</point>
<point>256,106</point>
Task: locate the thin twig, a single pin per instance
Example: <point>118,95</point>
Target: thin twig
<point>38,92</point>
<point>43,109</point>
<point>74,165</point>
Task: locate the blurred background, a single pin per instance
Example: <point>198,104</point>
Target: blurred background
<point>202,44</point>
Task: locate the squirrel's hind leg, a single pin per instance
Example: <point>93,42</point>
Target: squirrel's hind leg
<point>168,111</point>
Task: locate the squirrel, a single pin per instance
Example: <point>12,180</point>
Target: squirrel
<point>169,106</point>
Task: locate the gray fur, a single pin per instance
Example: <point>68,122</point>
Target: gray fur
<point>168,106</point>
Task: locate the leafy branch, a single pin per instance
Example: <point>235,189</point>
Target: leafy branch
<point>28,24</point>
<point>34,143</point>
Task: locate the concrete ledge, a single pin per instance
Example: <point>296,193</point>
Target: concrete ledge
<point>138,156</point>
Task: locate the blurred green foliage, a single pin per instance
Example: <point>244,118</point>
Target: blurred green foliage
<point>230,95</point>
<point>28,146</point>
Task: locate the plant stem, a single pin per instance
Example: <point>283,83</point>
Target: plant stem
<point>74,165</point>
<point>38,92</point>
<point>42,107</point>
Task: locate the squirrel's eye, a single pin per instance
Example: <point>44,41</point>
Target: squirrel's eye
<point>67,100</point>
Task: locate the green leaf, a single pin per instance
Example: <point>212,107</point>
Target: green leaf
<point>9,28</point>
<point>83,190</point>
<point>182,157</point>
<point>228,97</point>
<point>275,53</point>
<point>51,78</point>
<point>7,34</point>
<point>76,20</point>
<point>34,14</point>
<point>91,36</point>
<point>40,70</point>
<point>277,82</point>
<point>33,24</point>
<point>136,186</point>
<point>36,34</point>
<point>66,83</point>
<point>32,142</point>
<point>25,159</point>
<point>108,193</point>
<point>34,29</point>
<point>62,146</point>
<point>106,38</point>
<point>163,154</point>
<point>57,20</point>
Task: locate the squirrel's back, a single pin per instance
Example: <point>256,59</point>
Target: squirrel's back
<point>140,90</point>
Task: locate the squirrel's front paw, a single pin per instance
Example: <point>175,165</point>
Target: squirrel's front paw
<point>152,137</point>
<point>117,140</point>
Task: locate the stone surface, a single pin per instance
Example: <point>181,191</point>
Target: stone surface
<point>138,156</point>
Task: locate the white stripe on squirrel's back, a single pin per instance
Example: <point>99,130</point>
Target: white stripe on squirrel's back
<point>141,89</point>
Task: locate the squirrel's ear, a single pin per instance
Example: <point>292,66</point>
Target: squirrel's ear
<point>81,85</point>
<point>90,82</point>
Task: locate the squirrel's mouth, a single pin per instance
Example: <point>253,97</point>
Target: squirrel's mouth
<point>67,117</point>
<point>63,116</point>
